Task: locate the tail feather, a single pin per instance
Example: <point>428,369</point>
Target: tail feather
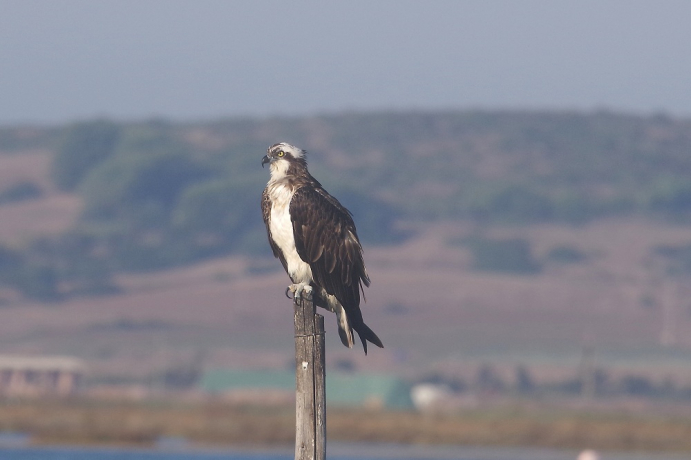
<point>366,334</point>
<point>346,324</point>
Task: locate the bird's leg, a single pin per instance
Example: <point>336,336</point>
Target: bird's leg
<point>299,291</point>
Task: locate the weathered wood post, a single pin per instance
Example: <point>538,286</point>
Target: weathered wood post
<point>310,389</point>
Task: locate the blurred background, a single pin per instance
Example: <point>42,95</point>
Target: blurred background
<point>520,174</point>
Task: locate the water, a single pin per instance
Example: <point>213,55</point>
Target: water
<point>125,454</point>
<point>337,452</point>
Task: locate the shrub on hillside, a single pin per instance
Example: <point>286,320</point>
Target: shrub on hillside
<point>503,255</point>
<point>84,145</point>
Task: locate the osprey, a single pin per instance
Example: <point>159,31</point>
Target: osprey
<point>314,237</point>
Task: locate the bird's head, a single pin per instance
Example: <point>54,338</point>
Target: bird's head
<point>281,157</point>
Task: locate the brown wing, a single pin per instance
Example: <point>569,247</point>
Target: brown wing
<point>266,214</point>
<point>326,238</point>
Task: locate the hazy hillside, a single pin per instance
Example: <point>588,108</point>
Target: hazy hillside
<point>157,194</point>
<point>498,165</point>
<point>518,235</point>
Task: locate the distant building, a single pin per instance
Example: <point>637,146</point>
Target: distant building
<point>342,389</point>
<point>429,396</point>
<point>35,376</point>
<point>379,391</point>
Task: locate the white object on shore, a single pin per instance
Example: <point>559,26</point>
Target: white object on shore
<point>588,455</point>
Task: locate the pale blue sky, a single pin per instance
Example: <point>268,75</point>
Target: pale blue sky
<point>63,60</point>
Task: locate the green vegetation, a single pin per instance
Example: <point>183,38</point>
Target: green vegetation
<point>678,258</point>
<point>514,255</point>
<point>159,194</point>
<point>496,167</point>
<point>33,278</point>
<point>18,139</point>
<point>566,255</point>
<point>50,269</point>
<point>24,190</point>
<point>154,199</point>
<point>503,255</point>
<point>84,146</point>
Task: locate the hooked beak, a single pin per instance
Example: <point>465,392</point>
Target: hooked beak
<point>265,160</point>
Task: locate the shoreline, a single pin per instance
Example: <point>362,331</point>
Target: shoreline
<point>363,450</point>
<point>213,424</point>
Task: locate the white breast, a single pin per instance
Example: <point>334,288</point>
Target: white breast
<point>282,233</point>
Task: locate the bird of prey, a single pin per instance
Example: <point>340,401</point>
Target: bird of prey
<point>314,237</point>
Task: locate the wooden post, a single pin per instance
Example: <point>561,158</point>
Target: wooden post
<point>310,389</point>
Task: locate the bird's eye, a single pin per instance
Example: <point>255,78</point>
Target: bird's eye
<point>280,153</point>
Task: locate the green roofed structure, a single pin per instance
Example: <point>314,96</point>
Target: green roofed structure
<point>371,390</point>
<point>342,389</point>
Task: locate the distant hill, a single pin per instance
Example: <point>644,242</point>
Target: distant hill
<point>507,238</point>
<point>157,194</point>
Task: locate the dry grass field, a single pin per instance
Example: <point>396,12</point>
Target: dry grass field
<point>214,423</point>
<point>52,213</point>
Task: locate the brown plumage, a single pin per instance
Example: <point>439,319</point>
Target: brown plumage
<point>314,237</point>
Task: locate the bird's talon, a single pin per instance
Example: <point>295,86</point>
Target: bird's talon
<point>307,292</point>
<point>300,291</point>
